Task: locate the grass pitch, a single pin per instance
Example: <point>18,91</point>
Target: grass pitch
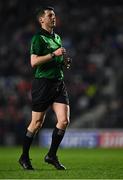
<point>80,163</point>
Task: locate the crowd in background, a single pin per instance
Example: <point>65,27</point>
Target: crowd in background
<point>93,36</point>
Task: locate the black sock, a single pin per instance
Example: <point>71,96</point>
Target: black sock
<point>57,137</point>
<point>28,138</point>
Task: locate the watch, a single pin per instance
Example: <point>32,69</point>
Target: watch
<point>53,55</point>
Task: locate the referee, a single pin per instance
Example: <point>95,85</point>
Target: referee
<point>48,88</point>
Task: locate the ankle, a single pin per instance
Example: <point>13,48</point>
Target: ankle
<point>51,155</point>
<point>25,156</point>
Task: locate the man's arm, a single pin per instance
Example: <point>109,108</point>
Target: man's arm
<point>37,60</point>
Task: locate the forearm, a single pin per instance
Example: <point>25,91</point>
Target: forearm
<point>37,60</point>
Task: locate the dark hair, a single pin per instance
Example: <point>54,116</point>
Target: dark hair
<point>40,11</point>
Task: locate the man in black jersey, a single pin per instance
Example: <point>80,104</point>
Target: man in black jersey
<point>48,88</point>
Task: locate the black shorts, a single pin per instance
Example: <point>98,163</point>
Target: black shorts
<point>47,91</point>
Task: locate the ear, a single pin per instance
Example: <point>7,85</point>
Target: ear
<point>40,20</point>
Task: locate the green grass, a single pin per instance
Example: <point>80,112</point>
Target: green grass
<point>80,163</point>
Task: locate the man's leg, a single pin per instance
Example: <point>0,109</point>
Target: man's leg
<point>34,126</point>
<point>62,113</point>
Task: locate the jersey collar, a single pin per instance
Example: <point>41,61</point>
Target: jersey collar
<point>46,33</point>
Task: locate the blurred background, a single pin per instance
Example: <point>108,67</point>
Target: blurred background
<point>92,32</point>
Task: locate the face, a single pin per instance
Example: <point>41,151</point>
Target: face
<point>48,19</point>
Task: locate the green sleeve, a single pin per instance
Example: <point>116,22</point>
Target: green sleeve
<point>37,45</point>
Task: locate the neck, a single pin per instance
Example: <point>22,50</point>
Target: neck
<point>49,29</point>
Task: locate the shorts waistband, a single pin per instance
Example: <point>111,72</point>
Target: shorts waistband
<point>53,79</point>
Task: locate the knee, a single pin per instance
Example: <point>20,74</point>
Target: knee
<point>37,125</point>
<point>65,122</point>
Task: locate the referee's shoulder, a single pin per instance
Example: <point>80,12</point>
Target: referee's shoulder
<point>36,36</point>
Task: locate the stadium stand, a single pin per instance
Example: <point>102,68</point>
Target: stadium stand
<point>94,39</point>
